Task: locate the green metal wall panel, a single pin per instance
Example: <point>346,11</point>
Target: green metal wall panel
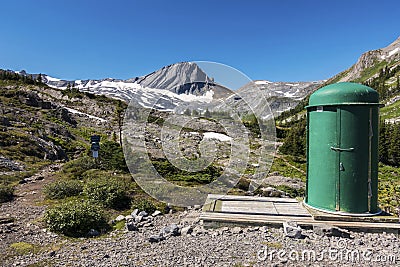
<point>321,160</point>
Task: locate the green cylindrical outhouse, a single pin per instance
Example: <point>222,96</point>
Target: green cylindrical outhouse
<point>342,149</point>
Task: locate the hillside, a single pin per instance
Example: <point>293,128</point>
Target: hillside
<point>40,125</point>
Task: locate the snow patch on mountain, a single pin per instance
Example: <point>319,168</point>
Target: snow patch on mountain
<point>217,136</point>
<point>74,111</point>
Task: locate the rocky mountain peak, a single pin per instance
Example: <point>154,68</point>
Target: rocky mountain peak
<point>175,76</point>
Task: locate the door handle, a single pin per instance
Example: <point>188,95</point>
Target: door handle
<point>342,149</point>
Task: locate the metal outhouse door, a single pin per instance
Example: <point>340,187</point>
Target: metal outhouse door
<point>342,154</point>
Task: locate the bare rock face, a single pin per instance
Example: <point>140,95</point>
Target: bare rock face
<point>172,77</point>
<point>369,59</point>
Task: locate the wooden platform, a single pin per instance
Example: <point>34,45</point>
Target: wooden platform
<point>221,210</point>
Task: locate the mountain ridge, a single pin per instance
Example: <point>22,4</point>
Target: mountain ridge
<point>368,60</point>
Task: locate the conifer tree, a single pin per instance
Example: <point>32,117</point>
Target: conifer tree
<point>39,79</point>
<point>383,142</point>
<point>394,149</point>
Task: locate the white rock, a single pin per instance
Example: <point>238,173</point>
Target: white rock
<point>120,218</point>
<point>129,217</point>
<point>156,213</point>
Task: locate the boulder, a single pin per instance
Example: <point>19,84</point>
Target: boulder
<point>143,214</point>
<point>170,230</point>
<point>135,212</point>
<point>292,230</point>
<point>156,213</point>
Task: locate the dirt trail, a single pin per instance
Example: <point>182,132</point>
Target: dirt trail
<point>20,218</point>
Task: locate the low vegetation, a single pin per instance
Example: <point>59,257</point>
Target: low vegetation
<point>6,193</point>
<point>144,204</point>
<point>62,189</point>
<point>75,218</point>
<point>181,177</point>
<point>390,111</point>
<point>23,248</point>
<point>109,192</point>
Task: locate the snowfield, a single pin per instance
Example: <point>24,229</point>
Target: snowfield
<point>218,136</point>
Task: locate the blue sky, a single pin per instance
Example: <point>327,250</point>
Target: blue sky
<point>281,40</point>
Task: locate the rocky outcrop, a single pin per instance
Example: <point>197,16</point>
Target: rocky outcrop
<point>176,75</point>
<point>370,59</point>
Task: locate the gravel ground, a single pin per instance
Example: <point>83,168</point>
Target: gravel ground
<point>233,246</point>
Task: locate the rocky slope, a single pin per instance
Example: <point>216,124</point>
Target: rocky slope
<point>281,96</point>
<point>389,55</point>
<point>39,125</point>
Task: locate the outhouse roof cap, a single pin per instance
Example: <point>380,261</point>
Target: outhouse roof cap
<point>344,93</point>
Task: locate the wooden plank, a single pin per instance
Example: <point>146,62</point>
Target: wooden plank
<point>250,198</point>
<point>301,221</point>
<point>275,211</point>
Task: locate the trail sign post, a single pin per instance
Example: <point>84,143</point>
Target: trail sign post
<point>95,147</point>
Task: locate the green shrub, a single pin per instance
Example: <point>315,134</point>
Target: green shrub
<point>76,218</point>
<point>144,204</point>
<point>6,193</point>
<point>109,192</point>
<point>74,169</point>
<point>62,189</point>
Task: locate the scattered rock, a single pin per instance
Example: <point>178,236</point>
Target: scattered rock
<point>156,238</point>
<point>198,230</point>
<point>170,230</point>
<point>187,230</point>
<point>328,230</point>
<point>237,230</point>
<point>149,224</point>
<point>264,229</point>
<point>292,230</point>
